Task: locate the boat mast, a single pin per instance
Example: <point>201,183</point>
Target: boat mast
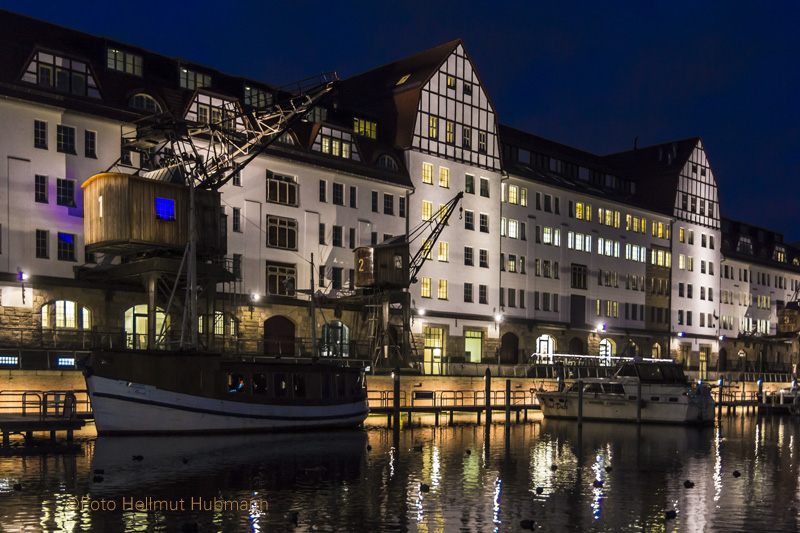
<point>313,313</point>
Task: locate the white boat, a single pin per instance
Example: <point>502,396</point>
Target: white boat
<point>157,392</point>
<point>666,396</point>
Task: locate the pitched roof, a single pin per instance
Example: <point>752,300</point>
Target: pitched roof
<point>379,93</point>
<point>655,170</point>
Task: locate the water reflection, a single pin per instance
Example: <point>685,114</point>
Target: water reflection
<point>603,477</point>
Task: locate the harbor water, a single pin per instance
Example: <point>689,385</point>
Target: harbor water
<point>743,474</point>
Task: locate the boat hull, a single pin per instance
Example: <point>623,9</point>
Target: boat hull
<point>688,409</point>
<point>122,407</point>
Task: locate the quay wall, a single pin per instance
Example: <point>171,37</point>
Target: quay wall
<point>45,380</point>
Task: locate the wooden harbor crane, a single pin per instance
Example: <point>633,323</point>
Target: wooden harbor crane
<point>386,271</point>
<point>156,216</point>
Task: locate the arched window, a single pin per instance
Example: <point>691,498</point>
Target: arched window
<point>144,102</point>
<point>136,322</point>
<point>387,162</point>
<point>655,352</point>
<point>335,340</point>
<point>606,351</point>
<point>65,314</point>
<point>545,348</point>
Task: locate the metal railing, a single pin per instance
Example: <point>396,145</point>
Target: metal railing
<point>53,403</point>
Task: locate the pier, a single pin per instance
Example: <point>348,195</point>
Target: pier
<point>28,412</point>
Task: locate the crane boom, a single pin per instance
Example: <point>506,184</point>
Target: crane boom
<point>437,222</point>
<point>210,150</point>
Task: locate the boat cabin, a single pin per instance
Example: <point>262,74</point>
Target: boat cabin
<point>652,372</point>
<point>290,384</point>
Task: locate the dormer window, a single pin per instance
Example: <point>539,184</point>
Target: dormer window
<point>144,102</point>
<point>62,74</point>
<point>387,162</point>
<point>207,109</point>
<point>189,79</point>
<point>257,98</point>
<point>123,61</point>
<point>336,143</point>
<point>365,127</point>
<point>745,245</point>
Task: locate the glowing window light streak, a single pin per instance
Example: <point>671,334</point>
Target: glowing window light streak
<point>717,477</point>
<point>498,488</point>
<point>597,492</point>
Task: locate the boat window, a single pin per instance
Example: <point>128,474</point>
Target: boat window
<point>614,388</point>
<point>655,398</point>
<point>260,384</point>
<point>592,388</point>
<point>650,373</point>
<point>627,370</point>
<point>235,382</point>
<point>673,399</point>
<point>340,386</point>
<point>281,390</point>
<point>299,382</point>
<point>326,385</point>
<point>673,373</point>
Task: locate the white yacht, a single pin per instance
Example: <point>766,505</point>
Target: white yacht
<point>666,396</point>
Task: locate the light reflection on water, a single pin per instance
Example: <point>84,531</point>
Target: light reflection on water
<point>603,477</point>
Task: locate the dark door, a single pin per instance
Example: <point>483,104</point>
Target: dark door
<point>509,348</point>
<point>279,336</point>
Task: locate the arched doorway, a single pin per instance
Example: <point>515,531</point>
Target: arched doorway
<point>509,348</point>
<point>136,326</point>
<point>656,351</point>
<point>606,351</point>
<point>576,346</point>
<point>633,349</point>
<point>279,336</point>
<point>545,348</point>
<point>335,340</point>
<point>722,360</point>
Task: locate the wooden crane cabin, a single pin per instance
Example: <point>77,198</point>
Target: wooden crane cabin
<point>126,214</point>
<point>384,265</point>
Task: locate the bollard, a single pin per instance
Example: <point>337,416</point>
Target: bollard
<point>580,403</point>
<point>719,396</point>
<point>488,377</point>
<point>508,402</point>
<point>639,403</point>
<point>396,399</point>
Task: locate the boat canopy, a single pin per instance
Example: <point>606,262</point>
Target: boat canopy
<point>653,372</point>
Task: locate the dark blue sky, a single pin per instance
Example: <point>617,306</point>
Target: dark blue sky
<point>590,75</point>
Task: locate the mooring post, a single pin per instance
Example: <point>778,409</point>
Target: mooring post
<point>721,384</point>
<point>639,403</point>
<point>508,402</point>
<point>580,403</point>
<point>488,377</point>
<point>396,397</point>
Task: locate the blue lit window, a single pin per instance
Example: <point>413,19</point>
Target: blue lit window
<point>66,361</point>
<point>9,360</point>
<point>165,209</point>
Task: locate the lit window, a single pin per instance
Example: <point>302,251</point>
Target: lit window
<point>425,288</point>
<point>124,62</point>
<point>442,292</point>
<point>165,209</point>
<point>9,360</point>
<point>450,132</point>
<point>259,98</point>
<point>444,252</point>
<point>427,210</point>
<point>433,127</point>
<point>513,194</point>
<point>444,177</point>
<point>365,128</point>
<point>190,79</point>
<point>427,173</point>
<point>66,247</point>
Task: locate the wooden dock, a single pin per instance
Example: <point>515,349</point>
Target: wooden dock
<point>28,412</point>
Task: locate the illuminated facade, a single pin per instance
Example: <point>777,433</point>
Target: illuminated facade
<point>554,251</point>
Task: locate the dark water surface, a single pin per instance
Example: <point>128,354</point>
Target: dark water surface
<point>607,477</point>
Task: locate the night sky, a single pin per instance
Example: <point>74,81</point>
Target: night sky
<point>590,75</point>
